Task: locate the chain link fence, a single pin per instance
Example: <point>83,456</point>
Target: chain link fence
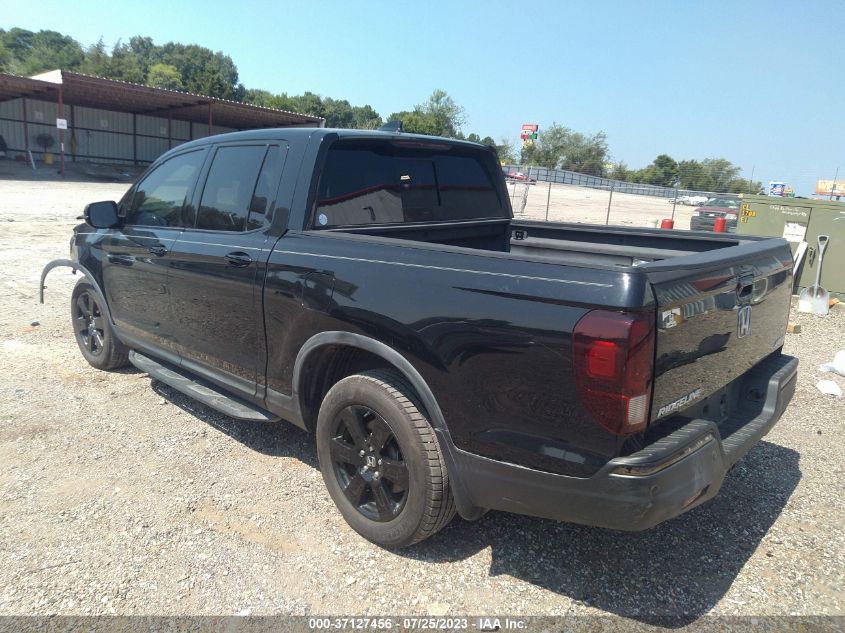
<point>559,195</point>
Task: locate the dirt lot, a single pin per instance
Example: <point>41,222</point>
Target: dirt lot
<point>118,496</point>
<point>581,204</point>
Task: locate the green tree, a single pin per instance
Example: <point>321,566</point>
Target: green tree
<point>306,103</point>
<point>416,122</point>
<point>439,116</point>
<point>365,118</point>
<point>18,41</point>
<point>338,113</point>
<point>692,175</point>
<point>743,185</point>
<point>561,147</point>
<point>96,60</point>
<point>145,51</point>
<point>202,70</point>
<point>125,65</point>
<point>722,173</point>
<point>621,172</point>
<point>5,58</point>
<point>42,51</point>
<point>259,97</point>
<point>505,150</point>
<point>164,76</point>
<point>663,171</point>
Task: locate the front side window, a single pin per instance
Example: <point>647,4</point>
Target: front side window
<point>161,198</point>
<point>375,183</point>
<point>230,187</point>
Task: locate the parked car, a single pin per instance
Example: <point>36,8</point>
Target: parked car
<point>374,289</point>
<point>518,176</point>
<point>689,200</point>
<point>704,218</point>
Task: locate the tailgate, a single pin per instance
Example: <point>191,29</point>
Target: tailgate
<point>718,314</point>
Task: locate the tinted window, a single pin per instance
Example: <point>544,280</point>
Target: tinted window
<point>382,183</point>
<point>160,199</point>
<point>265,189</point>
<point>464,184</point>
<point>229,188</point>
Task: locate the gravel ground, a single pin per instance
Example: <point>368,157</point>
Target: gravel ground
<point>118,496</point>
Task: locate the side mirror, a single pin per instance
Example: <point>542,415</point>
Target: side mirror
<point>101,215</point>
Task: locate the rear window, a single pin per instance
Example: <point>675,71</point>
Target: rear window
<point>383,184</point>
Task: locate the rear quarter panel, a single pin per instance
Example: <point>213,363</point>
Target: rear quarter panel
<point>491,335</point>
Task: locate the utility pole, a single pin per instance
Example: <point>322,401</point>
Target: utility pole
<point>833,185</point>
<point>751,180</point>
<point>609,201</point>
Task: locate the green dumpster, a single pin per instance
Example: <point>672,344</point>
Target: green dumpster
<point>797,220</point>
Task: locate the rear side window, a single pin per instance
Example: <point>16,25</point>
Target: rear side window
<point>265,189</point>
<point>160,198</point>
<point>229,189</point>
<point>382,183</point>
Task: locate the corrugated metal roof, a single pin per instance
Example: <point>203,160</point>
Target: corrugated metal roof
<point>124,96</point>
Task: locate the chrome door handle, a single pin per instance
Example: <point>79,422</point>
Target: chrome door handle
<point>238,258</point>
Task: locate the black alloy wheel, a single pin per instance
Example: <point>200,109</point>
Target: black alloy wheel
<point>381,460</point>
<point>93,331</point>
<point>368,463</point>
<point>89,322</point>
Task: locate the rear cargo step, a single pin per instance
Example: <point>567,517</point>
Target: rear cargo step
<point>199,389</point>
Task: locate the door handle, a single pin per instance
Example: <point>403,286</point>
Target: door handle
<point>238,258</point>
<point>158,249</point>
<point>121,259</point>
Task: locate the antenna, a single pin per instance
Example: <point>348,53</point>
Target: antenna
<point>391,126</point>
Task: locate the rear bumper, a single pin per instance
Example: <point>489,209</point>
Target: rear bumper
<point>668,477</point>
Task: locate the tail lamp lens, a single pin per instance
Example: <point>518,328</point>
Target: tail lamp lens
<point>614,368</point>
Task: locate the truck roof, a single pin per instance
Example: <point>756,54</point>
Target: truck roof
<point>304,133</point>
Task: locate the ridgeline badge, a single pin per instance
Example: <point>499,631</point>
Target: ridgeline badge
<point>680,402</point>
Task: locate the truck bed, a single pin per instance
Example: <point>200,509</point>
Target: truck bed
<point>577,244</point>
<point>698,284</point>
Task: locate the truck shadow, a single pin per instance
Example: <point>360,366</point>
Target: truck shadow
<point>670,575</point>
<point>277,439</point>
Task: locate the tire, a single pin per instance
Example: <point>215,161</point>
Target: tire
<point>92,330</point>
<point>397,493</point>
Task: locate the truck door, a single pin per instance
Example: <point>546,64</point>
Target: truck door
<point>137,255</point>
<point>218,323</point>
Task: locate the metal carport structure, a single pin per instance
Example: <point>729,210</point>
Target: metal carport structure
<point>118,121</point>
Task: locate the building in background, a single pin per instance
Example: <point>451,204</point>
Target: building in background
<point>82,118</point>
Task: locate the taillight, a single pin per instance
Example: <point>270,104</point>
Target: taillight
<point>614,368</point>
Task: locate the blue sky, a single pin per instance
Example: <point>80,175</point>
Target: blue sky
<point>759,83</point>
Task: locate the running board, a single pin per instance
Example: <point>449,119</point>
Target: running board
<point>198,389</point>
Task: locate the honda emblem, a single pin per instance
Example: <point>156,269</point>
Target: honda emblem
<point>743,324</point>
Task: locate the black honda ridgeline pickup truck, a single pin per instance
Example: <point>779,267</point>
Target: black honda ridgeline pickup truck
<point>374,289</point>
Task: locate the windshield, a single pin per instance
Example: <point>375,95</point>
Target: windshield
<point>722,202</point>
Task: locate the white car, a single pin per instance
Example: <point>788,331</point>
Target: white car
<point>695,201</point>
